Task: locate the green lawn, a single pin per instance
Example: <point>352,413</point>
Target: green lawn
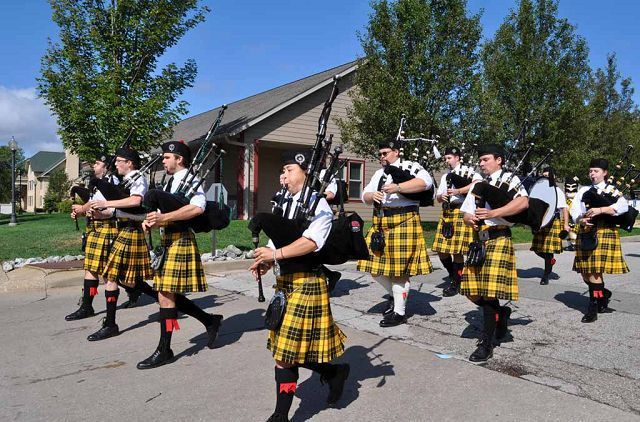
<point>55,234</point>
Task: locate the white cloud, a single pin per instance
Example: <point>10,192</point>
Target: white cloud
<point>27,118</point>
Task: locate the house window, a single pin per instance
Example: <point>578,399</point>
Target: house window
<point>30,200</point>
<point>354,177</point>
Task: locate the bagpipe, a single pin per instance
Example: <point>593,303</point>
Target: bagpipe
<point>425,154</point>
<point>345,240</point>
<point>543,197</point>
<point>216,214</point>
<point>614,190</point>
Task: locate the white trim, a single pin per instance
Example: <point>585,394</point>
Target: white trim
<point>290,101</point>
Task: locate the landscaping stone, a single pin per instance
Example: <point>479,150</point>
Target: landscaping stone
<point>206,257</point>
<point>7,266</point>
<point>53,259</point>
<point>233,249</point>
<point>68,258</point>
<point>250,254</point>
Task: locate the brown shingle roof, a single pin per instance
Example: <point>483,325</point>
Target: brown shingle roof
<point>240,114</point>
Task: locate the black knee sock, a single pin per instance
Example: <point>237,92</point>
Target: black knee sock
<point>112,304</point>
<point>186,306</point>
<point>548,263</point>
<point>168,324</point>
<point>89,291</point>
<point>458,267</point>
<point>326,370</point>
<point>493,303</point>
<point>448,265</point>
<point>286,383</point>
<point>596,291</point>
<point>145,288</point>
<point>489,314</point>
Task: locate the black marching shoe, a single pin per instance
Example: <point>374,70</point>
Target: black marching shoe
<point>332,279</point>
<point>278,417</point>
<point>603,303</point>
<point>212,330</point>
<point>503,321</point>
<point>392,320</point>
<point>592,312</point>
<point>452,290</point>
<point>484,350</point>
<point>389,310</point>
<point>336,383</point>
<point>82,313</point>
<point>544,280</point>
<point>161,356</point>
<point>104,332</point>
<point>133,300</point>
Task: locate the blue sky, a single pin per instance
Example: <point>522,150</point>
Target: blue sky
<point>248,46</point>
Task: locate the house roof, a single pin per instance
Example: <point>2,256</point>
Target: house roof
<point>44,161</point>
<point>244,113</point>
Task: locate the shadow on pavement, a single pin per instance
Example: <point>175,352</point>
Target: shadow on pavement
<point>345,285</point>
<point>573,300</point>
<point>365,363</point>
<point>536,272</point>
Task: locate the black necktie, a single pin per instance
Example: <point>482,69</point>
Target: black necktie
<point>167,188</point>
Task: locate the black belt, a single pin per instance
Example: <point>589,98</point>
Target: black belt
<point>496,233</point>
<point>455,206</point>
<point>175,229</point>
<point>129,224</point>
<point>388,212</point>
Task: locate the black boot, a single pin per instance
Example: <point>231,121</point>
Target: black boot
<point>163,353</point>
<point>592,311</point>
<point>89,290</point>
<point>456,277</point>
<point>105,332</point>
<point>484,351</point>
<point>392,320</point>
<point>212,330</point>
<point>544,280</point>
<point>277,417</point>
<point>390,307</point>
<point>134,294</point>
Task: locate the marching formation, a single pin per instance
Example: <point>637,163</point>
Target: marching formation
<point>483,194</point>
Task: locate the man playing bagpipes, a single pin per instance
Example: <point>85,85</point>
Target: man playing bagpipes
<point>128,260</point>
<point>598,249</point>
<point>548,240</point>
<point>101,232</point>
<point>396,240</point>
<point>453,236</point>
<point>306,335</point>
<point>485,283</point>
<point>179,268</point>
<point>570,190</point>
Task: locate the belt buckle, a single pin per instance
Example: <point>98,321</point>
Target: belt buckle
<point>483,235</point>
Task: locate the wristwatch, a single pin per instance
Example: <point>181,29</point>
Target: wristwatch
<point>399,188</point>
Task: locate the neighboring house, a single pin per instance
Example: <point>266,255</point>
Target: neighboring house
<point>256,130</point>
<point>38,170</point>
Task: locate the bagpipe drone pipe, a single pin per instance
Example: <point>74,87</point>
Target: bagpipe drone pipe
<point>346,240</point>
<point>216,214</point>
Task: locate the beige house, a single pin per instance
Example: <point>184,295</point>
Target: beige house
<point>256,130</point>
<point>38,169</point>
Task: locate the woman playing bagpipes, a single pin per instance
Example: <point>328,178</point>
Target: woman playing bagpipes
<point>598,247</point>
<point>307,335</point>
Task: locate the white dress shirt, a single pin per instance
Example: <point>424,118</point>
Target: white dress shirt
<point>396,200</point>
<point>198,199</point>
<point>578,208</point>
<point>442,188</point>
<point>139,187</point>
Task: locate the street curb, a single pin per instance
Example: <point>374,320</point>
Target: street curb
<point>31,277</point>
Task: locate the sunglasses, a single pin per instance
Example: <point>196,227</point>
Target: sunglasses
<point>383,154</point>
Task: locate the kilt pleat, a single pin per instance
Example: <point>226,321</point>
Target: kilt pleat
<point>182,270</point>
<point>405,251</point>
<point>129,258</point>
<point>547,239</point>
<point>308,332</point>
<point>462,234</point>
<point>497,277</point>
<point>100,236</point>
<point>606,258</point>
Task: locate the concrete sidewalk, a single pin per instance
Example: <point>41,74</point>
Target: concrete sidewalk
<point>51,372</point>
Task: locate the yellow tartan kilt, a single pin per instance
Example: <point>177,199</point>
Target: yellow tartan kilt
<point>547,239</point>
<point>129,258</point>
<point>100,235</point>
<point>498,277</point>
<point>462,234</point>
<point>182,270</point>
<point>308,332</point>
<point>605,258</point>
<point>405,251</point>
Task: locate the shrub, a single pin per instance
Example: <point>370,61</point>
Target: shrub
<point>64,206</point>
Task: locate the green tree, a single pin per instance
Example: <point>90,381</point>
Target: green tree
<point>420,58</point>
<point>612,115</point>
<point>535,68</point>
<point>5,171</point>
<point>59,185</point>
<point>101,78</point>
